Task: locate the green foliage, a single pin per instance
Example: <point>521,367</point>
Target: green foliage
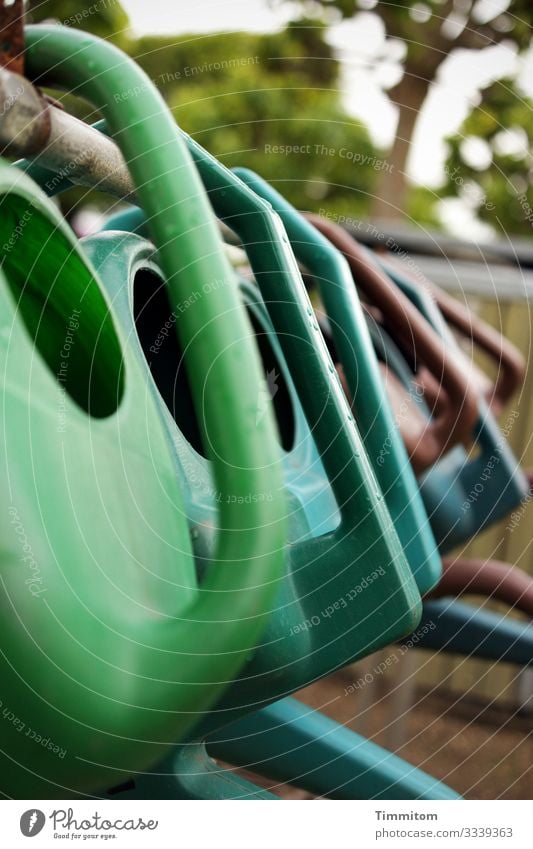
<point>429,30</point>
<point>506,186</point>
<point>423,208</point>
<point>105,18</point>
<point>259,101</point>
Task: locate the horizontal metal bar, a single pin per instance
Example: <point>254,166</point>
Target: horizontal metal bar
<point>496,282</point>
<point>32,128</point>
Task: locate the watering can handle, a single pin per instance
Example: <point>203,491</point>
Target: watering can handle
<point>249,548</point>
<point>453,422</point>
<point>258,225</point>
<point>491,578</point>
<point>508,359</point>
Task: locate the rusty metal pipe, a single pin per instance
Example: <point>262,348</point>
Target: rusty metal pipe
<point>31,127</point>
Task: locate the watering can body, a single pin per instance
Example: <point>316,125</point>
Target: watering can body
<point>299,534</point>
<point>341,597</point>
<point>466,491</point>
<point>190,771</point>
<point>103,623</point>
<point>78,475</point>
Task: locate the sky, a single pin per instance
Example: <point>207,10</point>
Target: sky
<point>357,42</point>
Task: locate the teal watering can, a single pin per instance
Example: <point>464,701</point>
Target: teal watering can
<point>393,783</point>
<point>456,627</point>
<point>465,492</point>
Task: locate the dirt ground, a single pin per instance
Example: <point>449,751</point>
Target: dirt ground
<point>482,750</point>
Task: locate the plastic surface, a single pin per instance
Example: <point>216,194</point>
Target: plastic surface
<point>465,491</point>
<point>322,579</point>
<point>374,416</point>
<point>332,557</point>
<point>104,629</point>
<point>452,420</point>
<point>291,742</point>
<point>134,218</point>
<point>475,332</point>
<point>123,260</point>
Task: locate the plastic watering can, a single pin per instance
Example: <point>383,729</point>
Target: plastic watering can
<point>458,499</point>
<point>128,265</point>
<point>104,626</point>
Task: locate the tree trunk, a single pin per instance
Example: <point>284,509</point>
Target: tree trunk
<point>391,192</point>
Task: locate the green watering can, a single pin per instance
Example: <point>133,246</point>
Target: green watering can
<point>341,537</point>
<point>292,654</point>
<point>107,639</point>
<point>374,416</point>
<point>321,569</point>
<point>330,758</point>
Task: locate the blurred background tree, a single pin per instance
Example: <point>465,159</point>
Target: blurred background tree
<point>265,104</point>
<point>105,18</point>
<point>490,163</point>
<point>429,30</point>
<point>244,95</point>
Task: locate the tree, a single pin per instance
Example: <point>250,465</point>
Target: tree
<point>430,31</point>
<point>260,101</point>
<point>501,191</point>
<point>268,102</point>
<point>105,18</point>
